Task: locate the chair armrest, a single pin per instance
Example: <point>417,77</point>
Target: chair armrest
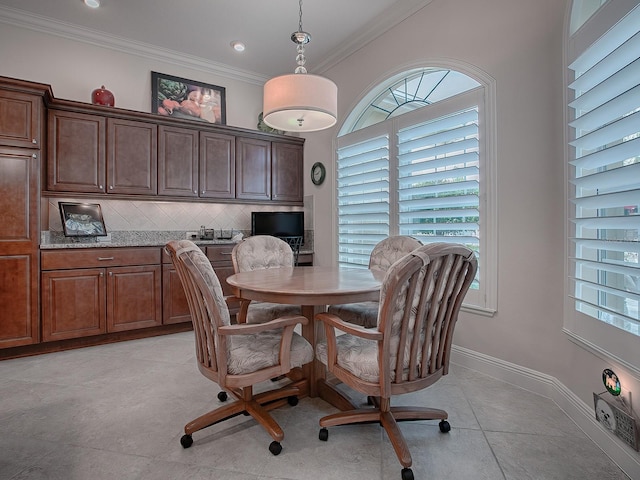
<point>249,328</point>
<point>357,330</point>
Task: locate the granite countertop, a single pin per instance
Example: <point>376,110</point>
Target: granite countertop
<point>57,240</point>
<point>52,240</point>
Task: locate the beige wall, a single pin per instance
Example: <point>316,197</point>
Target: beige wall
<point>519,43</point>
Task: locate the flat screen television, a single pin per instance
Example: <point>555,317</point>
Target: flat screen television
<point>278,224</point>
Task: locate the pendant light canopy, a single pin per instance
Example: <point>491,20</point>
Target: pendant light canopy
<point>300,102</point>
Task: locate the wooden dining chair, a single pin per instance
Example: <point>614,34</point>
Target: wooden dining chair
<point>255,253</point>
<point>237,357</point>
<point>409,349</point>
<point>384,254</point>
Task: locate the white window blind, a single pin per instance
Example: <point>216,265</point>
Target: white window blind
<point>363,198</point>
<point>605,176</point>
<point>438,180</point>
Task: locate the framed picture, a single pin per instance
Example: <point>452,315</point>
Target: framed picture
<point>187,99</point>
<point>82,219</point>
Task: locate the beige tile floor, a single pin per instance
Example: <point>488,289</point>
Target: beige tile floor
<point>117,412</point>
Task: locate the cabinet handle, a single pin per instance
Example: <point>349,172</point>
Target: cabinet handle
<point>100,187</point>
<point>225,253</point>
<point>33,155</point>
<point>111,274</point>
<point>104,258</point>
<point>34,141</point>
<point>110,187</point>
<point>203,192</point>
<point>101,274</point>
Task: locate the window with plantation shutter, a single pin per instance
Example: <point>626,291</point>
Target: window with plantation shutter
<point>438,180</point>
<point>604,179</point>
<point>363,198</point>
<point>415,164</point>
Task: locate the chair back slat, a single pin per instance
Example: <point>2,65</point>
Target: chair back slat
<point>420,300</point>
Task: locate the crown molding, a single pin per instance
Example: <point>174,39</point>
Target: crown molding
<point>77,33</point>
<point>384,22</point>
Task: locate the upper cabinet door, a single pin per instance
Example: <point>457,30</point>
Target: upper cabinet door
<point>177,161</point>
<point>76,152</point>
<point>253,167</point>
<point>19,119</point>
<point>217,165</point>
<point>132,152</point>
<point>287,183</point>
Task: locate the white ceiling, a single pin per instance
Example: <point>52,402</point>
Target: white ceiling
<point>202,30</point>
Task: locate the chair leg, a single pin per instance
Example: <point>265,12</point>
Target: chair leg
<point>418,413</point>
<point>213,417</point>
<point>397,439</point>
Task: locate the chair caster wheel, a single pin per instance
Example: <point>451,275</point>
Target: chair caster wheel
<point>186,441</point>
<point>222,396</point>
<point>444,426</point>
<point>292,400</point>
<point>324,434</point>
<point>407,474</point>
<point>275,448</point>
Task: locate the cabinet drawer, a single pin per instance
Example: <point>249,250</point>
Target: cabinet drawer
<point>98,257</point>
<point>219,253</point>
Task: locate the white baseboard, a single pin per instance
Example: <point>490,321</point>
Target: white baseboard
<point>581,413</point>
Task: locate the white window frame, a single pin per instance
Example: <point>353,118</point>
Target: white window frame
<point>600,338</point>
<point>482,301</point>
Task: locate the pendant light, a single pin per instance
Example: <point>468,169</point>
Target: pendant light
<point>300,102</point>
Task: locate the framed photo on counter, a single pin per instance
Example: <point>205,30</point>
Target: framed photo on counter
<point>82,219</point>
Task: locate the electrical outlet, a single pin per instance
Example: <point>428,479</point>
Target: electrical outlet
<point>192,235</point>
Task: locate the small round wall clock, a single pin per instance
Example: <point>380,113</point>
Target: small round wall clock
<point>318,173</point>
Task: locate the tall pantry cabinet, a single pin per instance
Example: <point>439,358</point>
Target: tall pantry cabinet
<point>21,121</point>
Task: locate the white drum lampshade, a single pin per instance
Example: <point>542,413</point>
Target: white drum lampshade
<point>300,102</point>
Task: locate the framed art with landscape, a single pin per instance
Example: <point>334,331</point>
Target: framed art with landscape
<point>187,99</point>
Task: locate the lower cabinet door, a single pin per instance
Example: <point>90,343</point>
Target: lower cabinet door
<point>73,303</point>
<point>134,297</point>
<point>175,307</point>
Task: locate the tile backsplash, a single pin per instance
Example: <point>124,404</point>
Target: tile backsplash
<point>132,215</point>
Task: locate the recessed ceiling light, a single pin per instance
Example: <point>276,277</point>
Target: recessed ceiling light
<point>238,46</point>
<point>92,3</point>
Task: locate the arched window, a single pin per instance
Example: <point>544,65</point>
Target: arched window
<point>603,91</point>
<point>412,160</point>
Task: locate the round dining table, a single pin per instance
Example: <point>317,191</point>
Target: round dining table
<point>313,288</point>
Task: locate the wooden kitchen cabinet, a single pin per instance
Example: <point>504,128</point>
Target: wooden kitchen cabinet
<point>287,183</point>
<point>253,169</point>
<point>178,161</point>
<point>100,290</point>
<point>217,165</point>
<point>73,303</point>
<point>134,297</point>
<point>269,170</point>
<point>20,119</point>
<point>76,152</point>
<point>132,157</point>
<point>175,308</point>
<point>93,154</point>
<point>21,110</point>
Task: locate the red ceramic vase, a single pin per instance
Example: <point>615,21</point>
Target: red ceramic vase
<point>101,96</point>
